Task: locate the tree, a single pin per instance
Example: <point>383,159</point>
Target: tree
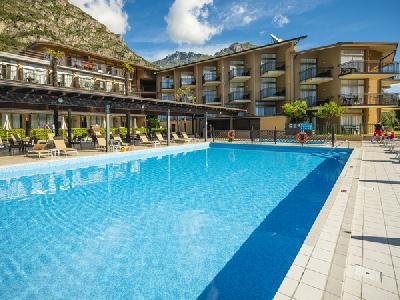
<point>55,56</point>
<point>296,111</point>
<point>152,122</point>
<point>184,94</point>
<point>389,119</point>
<point>329,112</point>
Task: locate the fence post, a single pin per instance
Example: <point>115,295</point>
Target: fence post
<point>213,133</point>
<point>275,135</point>
<point>333,136</point>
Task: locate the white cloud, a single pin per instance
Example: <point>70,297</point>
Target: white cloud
<point>239,15</point>
<point>108,12</point>
<point>394,88</point>
<point>187,22</point>
<point>280,20</point>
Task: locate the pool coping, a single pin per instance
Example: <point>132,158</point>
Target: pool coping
<point>318,270</point>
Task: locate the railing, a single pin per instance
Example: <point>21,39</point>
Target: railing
<point>167,85</point>
<point>369,66</point>
<point>316,101</point>
<point>207,77</point>
<point>234,96</point>
<point>370,99</point>
<point>188,81</point>
<point>270,136</point>
<point>211,99</point>
<point>272,66</point>
<point>315,72</point>
<point>272,92</point>
<point>238,72</point>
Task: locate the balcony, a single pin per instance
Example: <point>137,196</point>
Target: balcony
<point>211,79</point>
<point>272,94</point>
<point>370,100</point>
<point>239,97</point>
<point>272,69</point>
<point>313,101</point>
<point>316,75</point>
<point>188,82</point>
<point>167,85</point>
<point>386,83</point>
<point>239,75</point>
<point>365,69</point>
<point>211,99</point>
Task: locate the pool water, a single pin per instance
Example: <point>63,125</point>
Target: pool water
<point>223,222</point>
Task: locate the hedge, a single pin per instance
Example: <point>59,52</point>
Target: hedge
<point>39,133</point>
<point>3,133</point>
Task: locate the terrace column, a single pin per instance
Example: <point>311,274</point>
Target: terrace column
<point>55,121</point>
<point>205,127</point>
<point>168,127</point>
<point>128,127</point>
<point>193,124</point>
<point>108,127</point>
<point>69,126</point>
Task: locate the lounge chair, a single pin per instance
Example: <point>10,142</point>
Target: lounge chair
<point>186,137</point>
<point>2,145</point>
<point>39,150</point>
<point>60,145</point>
<point>101,144</point>
<point>50,136</point>
<point>161,139</point>
<point>177,139</point>
<point>145,141</point>
<point>118,141</point>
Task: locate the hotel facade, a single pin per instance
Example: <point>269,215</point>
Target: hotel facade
<point>262,79</point>
<point>259,80</point>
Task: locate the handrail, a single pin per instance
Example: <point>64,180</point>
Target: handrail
<point>272,92</point>
<point>239,96</point>
<point>369,66</point>
<point>272,66</point>
<point>236,72</point>
<point>211,76</point>
<point>315,72</point>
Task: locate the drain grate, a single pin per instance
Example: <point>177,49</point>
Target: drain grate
<point>368,273</point>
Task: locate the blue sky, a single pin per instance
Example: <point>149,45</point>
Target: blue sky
<point>156,28</point>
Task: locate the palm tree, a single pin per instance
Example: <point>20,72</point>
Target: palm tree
<point>55,56</point>
<point>128,69</point>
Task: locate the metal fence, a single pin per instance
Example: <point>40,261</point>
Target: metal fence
<point>270,136</point>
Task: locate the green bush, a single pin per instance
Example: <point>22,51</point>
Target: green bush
<point>161,130</point>
<point>77,132</point>
<point>39,133</point>
<point>19,131</point>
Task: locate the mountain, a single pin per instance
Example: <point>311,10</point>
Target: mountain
<point>180,58</point>
<point>24,22</point>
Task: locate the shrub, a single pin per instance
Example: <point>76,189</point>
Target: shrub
<point>39,133</point>
<point>19,131</point>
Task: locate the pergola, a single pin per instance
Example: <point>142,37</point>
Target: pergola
<point>21,95</point>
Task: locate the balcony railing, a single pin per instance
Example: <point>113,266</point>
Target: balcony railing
<point>272,66</point>
<point>369,66</point>
<point>211,99</point>
<point>317,101</point>
<point>167,85</point>
<point>315,73</point>
<point>207,77</point>
<point>188,81</point>
<point>236,96</point>
<point>391,99</point>
<point>239,72</point>
<point>272,92</point>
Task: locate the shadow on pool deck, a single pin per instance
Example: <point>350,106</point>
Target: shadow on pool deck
<point>259,266</point>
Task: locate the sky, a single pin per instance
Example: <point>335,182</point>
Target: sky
<point>155,28</point>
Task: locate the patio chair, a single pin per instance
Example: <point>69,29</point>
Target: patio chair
<point>50,136</point>
<point>177,139</point>
<point>186,137</point>
<point>101,144</point>
<point>145,141</point>
<point>60,145</point>
<point>161,139</point>
<point>39,150</point>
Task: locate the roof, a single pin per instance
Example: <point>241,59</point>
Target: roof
<point>359,44</point>
<point>271,45</point>
<point>37,45</point>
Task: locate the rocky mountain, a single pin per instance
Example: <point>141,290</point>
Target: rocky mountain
<point>23,22</point>
<point>179,58</point>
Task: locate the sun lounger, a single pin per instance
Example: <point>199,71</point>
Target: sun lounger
<point>186,137</point>
<point>101,144</point>
<point>160,138</point>
<point>145,141</point>
<point>60,145</point>
<point>177,139</point>
<point>39,150</point>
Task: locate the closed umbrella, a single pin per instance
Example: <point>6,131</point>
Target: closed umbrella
<point>64,126</point>
<point>7,125</point>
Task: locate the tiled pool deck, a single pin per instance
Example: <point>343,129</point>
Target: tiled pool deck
<point>353,249</point>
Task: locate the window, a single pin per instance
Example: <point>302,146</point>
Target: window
<point>268,83</point>
<point>265,109</point>
<point>168,97</point>
<point>86,83</point>
<point>309,94</point>
<point>64,79</point>
<point>187,79</point>
<point>352,87</point>
<point>351,55</point>
<point>268,57</point>
<point>236,87</point>
<point>209,95</point>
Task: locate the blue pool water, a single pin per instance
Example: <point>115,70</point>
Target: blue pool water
<point>223,222</point>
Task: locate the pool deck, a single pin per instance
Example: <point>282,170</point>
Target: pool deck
<point>353,248</point>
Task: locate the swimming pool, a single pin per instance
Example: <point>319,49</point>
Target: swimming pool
<point>209,221</point>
